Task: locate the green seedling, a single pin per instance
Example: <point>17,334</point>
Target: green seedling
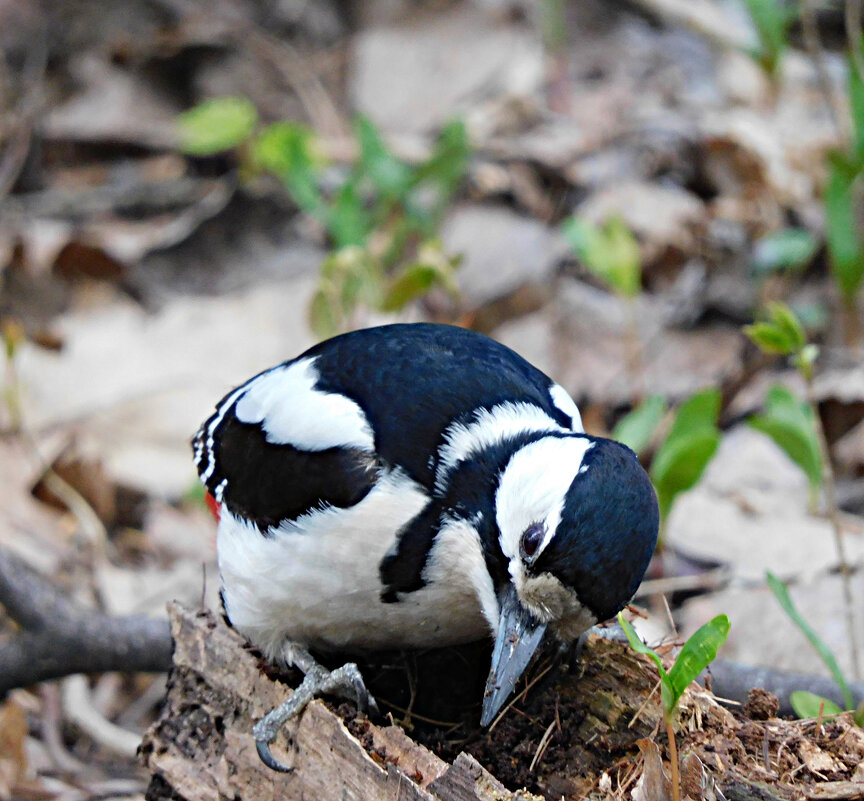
<point>696,654</point>
<point>380,215</point>
<point>217,125</point>
<point>782,334</point>
<point>636,429</point>
<point>844,196</point>
<point>807,704</point>
<point>787,250</point>
<point>772,19</point>
<point>609,251</point>
<point>689,446</point>
<point>789,422</point>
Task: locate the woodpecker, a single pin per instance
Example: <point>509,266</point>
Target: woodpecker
<point>414,486</point>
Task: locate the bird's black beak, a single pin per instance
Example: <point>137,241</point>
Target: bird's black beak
<point>519,634</point>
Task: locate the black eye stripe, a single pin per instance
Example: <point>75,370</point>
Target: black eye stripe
<point>531,539</point>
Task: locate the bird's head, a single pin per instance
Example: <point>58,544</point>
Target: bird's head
<point>578,521</point>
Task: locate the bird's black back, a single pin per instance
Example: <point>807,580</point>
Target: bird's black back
<point>414,380</point>
<point>411,381</point>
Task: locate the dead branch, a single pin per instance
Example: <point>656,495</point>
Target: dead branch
<point>733,681</point>
<point>60,637</point>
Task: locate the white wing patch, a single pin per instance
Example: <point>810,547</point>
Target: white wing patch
<point>291,411</point>
<point>562,400</point>
<point>488,427</point>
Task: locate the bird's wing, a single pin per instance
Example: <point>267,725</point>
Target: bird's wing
<point>276,448</point>
<point>414,381</point>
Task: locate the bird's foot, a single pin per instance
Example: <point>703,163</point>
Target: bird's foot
<point>344,682</point>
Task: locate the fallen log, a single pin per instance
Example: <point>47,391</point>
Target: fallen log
<point>575,733</point>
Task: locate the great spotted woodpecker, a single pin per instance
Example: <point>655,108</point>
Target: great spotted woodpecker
<point>415,486</point>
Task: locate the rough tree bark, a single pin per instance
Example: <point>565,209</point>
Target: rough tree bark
<point>576,734</point>
<point>202,749</point>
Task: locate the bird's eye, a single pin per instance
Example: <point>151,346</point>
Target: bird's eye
<point>531,539</point>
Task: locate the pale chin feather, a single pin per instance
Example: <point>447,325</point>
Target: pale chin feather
<point>551,602</point>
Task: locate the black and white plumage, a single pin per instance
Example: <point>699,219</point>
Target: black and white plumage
<point>415,486</point>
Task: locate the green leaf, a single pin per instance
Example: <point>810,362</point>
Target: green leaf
<point>781,593</point>
<point>843,227</point>
<point>666,690</point>
<point>785,320</point>
<point>789,249</point>
<point>637,428</point>
<point>216,125</point>
<point>288,150</point>
<point>611,252</point>
<point>858,715</point>
<point>347,220</point>
<point>390,176</point>
<point>771,20</point>
<point>449,160</point>
<point>432,269</point>
<point>687,449</point>
<point>781,333</point>
<point>789,422</point>
<point>768,338</point>
<point>323,319</point>
<point>810,705</point>
<point>856,106</point>
<point>284,147</point>
<point>698,652</point>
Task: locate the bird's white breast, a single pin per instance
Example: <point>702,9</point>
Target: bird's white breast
<point>316,580</point>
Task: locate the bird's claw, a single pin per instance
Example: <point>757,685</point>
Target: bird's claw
<point>345,682</point>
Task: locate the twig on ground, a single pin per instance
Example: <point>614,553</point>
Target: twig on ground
<point>51,732</point>
<point>79,708</point>
<point>734,681</point>
<point>62,637</point>
<point>15,154</point>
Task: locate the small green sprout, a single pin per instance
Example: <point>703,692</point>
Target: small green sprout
<point>636,429</point>
<point>807,704</point>
<point>698,652</point>
<point>772,19</point>
<point>216,125</point>
<point>845,237</point>
<point>793,429</point>
<point>789,422</point>
<point>609,251</point>
<point>781,334</point>
<point>380,216</point>
<point>790,250</point>
<point>689,446</point>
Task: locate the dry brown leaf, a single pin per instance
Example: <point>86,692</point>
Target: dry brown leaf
<point>654,783</point>
<point>13,757</point>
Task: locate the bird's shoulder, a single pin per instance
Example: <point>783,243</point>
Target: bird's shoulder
<point>317,430</point>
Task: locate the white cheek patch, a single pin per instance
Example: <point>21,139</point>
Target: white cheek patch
<point>533,488</point>
<point>562,400</point>
<point>291,411</point>
<point>488,427</point>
